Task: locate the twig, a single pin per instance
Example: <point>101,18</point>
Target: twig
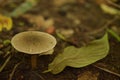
<point>38,75</point>
<point>112,3</point>
<point>13,71</point>
<point>5,63</point>
<point>106,70</point>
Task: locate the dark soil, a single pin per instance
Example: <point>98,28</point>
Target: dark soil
<point>92,20</point>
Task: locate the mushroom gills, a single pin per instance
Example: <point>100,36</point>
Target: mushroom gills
<point>47,53</point>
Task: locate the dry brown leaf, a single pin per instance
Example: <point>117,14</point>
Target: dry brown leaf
<point>48,23</point>
<point>67,33</point>
<point>88,75</point>
<point>39,21</point>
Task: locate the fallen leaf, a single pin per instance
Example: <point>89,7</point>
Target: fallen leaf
<point>39,21</point>
<point>48,23</point>
<point>110,10</point>
<point>80,57</point>
<point>67,33</point>
<point>5,22</point>
<point>1,46</point>
<point>24,7</point>
<point>60,35</point>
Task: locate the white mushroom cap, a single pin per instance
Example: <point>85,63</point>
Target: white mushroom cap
<point>33,42</point>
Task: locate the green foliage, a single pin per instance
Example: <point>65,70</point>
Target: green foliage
<point>6,42</point>
<point>80,57</point>
<point>110,10</point>
<point>24,7</point>
<point>114,34</point>
<point>60,36</point>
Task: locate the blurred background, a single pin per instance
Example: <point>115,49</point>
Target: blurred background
<point>72,22</point>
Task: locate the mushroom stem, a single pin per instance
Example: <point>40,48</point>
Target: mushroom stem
<point>34,61</point>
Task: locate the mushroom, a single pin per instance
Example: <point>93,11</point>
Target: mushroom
<point>34,42</point>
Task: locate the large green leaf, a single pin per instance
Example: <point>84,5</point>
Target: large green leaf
<point>80,57</point>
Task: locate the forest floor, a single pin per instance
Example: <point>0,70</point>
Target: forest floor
<point>80,22</point>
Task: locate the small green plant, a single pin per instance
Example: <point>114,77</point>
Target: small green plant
<point>114,34</point>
